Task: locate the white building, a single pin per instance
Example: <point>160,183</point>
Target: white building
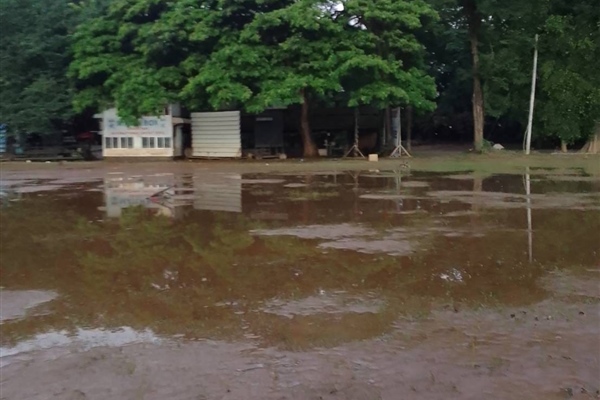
<point>160,136</point>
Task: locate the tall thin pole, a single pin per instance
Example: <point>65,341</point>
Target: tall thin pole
<point>399,128</point>
<point>355,153</point>
<point>532,99</point>
<point>529,218</point>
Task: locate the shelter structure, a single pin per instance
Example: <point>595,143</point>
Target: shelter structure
<point>159,136</point>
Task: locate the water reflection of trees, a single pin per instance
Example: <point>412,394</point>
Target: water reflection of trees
<point>206,276</point>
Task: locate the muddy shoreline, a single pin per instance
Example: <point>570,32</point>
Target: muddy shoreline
<point>547,351</point>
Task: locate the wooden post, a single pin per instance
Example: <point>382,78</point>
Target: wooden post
<point>387,126</point>
<point>409,124</point>
<point>532,99</point>
<point>399,138</point>
<point>399,148</point>
<point>356,115</point>
<point>354,149</point>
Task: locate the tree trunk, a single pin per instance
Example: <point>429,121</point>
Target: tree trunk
<point>593,144</point>
<point>310,148</point>
<point>563,146</point>
<point>388,126</point>
<point>474,21</point>
<point>409,123</point>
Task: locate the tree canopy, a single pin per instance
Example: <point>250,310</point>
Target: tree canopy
<point>34,47</point>
<point>252,55</point>
<point>463,65</point>
<point>567,96</point>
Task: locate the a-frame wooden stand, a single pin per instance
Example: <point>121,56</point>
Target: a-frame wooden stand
<point>354,149</point>
<point>355,152</point>
<point>398,151</point>
<point>399,148</point>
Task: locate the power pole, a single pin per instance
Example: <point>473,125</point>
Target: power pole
<point>532,99</point>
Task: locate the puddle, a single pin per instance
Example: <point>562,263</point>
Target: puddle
<point>389,246</point>
<point>324,303</point>
<point>16,303</point>
<point>37,188</point>
<point>318,231</point>
<point>360,266</point>
<point>262,181</point>
<point>80,340</point>
<point>295,185</point>
<point>388,196</point>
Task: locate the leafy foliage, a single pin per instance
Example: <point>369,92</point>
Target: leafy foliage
<point>34,56</point>
<point>567,98</point>
<point>569,79</point>
<point>220,54</point>
<point>140,55</point>
<point>387,65</point>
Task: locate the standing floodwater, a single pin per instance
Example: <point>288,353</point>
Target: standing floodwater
<point>332,285</point>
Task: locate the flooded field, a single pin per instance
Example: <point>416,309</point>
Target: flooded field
<point>133,283</point>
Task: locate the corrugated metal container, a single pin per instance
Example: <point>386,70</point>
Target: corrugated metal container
<point>218,194</point>
<point>2,138</point>
<point>216,134</point>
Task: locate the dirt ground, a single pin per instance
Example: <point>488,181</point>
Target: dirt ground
<point>548,351</point>
<point>429,159</point>
<point>412,281</point>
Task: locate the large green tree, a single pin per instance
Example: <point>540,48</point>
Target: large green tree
<point>220,54</point>
<point>125,57</point>
<point>390,67</point>
<point>455,55</point>
<point>493,41</point>
<point>569,98</point>
<point>34,56</point>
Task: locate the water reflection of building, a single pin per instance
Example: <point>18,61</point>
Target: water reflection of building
<point>169,195</point>
<point>152,192</point>
<point>218,193</point>
<point>8,194</point>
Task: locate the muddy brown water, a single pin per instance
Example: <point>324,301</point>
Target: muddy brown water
<point>356,285</point>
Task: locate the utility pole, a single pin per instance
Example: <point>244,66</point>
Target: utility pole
<point>532,99</point>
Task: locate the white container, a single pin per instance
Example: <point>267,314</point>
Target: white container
<point>373,158</point>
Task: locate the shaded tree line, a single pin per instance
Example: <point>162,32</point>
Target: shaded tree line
<point>461,66</point>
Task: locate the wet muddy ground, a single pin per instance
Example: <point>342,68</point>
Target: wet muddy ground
<point>161,282</point>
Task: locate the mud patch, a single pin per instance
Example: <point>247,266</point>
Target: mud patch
<point>374,196</point>
<point>565,284</point>
<point>37,188</point>
<point>337,302</point>
<point>14,182</point>
<point>579,201</point>
<point>384,246</point>
<point>17,303</point>
<point>461,177</point>
<point>73,180</point>
<point>414,184</point>
<point>563,178</point>
<point>306,195</point>
<point>81,339</point>
<point>261,181</point>
<point>328,232</point>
